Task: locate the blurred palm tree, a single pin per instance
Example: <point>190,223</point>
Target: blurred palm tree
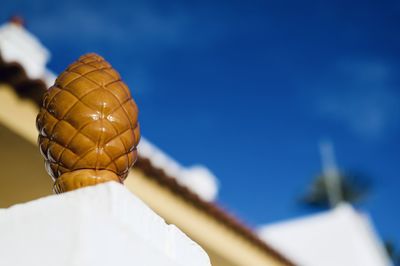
<point>352,188</point>
<point>332,186</point>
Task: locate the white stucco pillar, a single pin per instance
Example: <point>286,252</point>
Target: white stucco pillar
<point>94,226</point>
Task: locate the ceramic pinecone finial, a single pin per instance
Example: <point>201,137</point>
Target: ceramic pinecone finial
<point>88,126</point>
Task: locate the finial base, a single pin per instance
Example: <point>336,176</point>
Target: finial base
<point>83,178</point>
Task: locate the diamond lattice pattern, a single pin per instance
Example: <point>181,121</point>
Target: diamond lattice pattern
<point>88,120</point>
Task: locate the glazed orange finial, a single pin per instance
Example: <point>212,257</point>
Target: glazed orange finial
<point>88,126</point>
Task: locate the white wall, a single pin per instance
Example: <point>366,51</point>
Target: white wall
<point>101,225</point>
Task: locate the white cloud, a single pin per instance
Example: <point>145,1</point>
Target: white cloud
<point>362,99</point>
<point>137,25</point>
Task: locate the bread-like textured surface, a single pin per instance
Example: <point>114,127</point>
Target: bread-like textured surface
<point>88,120</point>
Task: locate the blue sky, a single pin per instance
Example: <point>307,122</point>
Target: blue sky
<point>248,88</point>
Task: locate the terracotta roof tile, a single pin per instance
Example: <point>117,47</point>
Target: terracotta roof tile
<point>15,75</point>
